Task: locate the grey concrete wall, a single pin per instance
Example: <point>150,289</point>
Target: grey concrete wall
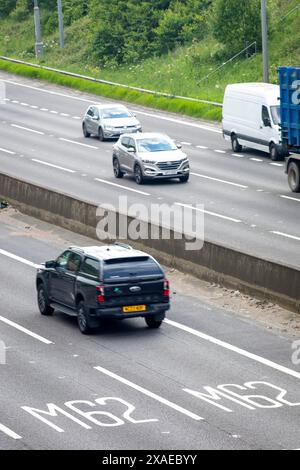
<point>215,263</point>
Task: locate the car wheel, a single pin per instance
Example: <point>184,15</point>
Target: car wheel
<point>85,132</point>
<point>294,176</point>
<point>138,175</point>
<point>101,134</point>
<point>83,319</point>
<point>117,171</point>
<point>184,179</point>
<point>152,323</point>
<point>236,146</point>
<point>274,153</point>
<point>43,301</point>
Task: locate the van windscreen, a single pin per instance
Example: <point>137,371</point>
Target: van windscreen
<point>275,111</point>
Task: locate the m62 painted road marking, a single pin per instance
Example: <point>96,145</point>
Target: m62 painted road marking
<point>251,402</point>
<point>109,419</point>
<point>9,432</point>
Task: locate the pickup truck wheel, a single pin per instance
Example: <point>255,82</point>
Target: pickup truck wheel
<point>236,146</point>
<point>152,323</point>
<point>83,319</point>
<point>43,301</point>
<point>294,176</point>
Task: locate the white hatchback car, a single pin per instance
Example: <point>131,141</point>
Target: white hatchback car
<point>149,156</point>
<point>109,121</point>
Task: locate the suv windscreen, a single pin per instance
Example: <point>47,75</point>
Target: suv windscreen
<point>155,144</point>
<point>126,268</point>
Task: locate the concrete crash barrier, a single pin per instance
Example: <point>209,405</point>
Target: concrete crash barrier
<point>265,279</point>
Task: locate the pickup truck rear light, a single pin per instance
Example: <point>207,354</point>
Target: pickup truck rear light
<point>100,291</point>
<point>166,288</point>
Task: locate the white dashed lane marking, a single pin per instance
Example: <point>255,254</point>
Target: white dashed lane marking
<point>286,235</point>
<point>220,180</point>
<point>290,198</point>
<point>27,129</point>
<point>214,214</point>
<point>7,151</point>
<point>122,187</point>
<point>52,165</point>
<point>77,143</point>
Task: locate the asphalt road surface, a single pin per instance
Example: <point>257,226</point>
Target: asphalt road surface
<point>206,380</point>
<point>246,198</point>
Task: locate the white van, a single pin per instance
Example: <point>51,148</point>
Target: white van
<point>251,117</point>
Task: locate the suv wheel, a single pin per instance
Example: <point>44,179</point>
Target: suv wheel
<point>138,175</point>
<point>236,146</point>
<point>184,179</point>
<point>101,134</point>
<point>152,323</point>
<point>117,170</point>
<point>83,319</point>
<point>43,301</point>
<point>85,132</point>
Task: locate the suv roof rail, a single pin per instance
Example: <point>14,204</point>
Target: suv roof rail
<point>123,245</point>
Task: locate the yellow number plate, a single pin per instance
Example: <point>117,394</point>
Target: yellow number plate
<point>134,308</point>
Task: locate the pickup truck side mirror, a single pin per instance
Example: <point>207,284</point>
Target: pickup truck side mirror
<point>50,264</point>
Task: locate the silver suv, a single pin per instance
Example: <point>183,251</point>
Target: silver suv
<point>109,121</point>
<point>149,156</point>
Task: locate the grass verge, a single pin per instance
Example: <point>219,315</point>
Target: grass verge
<point>199,110</point>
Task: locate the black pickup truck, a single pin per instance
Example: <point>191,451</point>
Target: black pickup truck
<point>94,283</point>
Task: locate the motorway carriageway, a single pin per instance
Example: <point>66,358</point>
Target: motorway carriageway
<point>247,202</point>
<point>206,380</point>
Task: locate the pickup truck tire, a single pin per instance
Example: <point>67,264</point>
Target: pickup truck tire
<point>294,176</point>
<point>236,146</point>
<point>43,301</point>
<point>152,323</point>
<point>83,320</point>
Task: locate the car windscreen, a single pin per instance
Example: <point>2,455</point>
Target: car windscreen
<point>115,113</point>
<point>134,267</point>
<point>155,144</point>
<point>275,111</point>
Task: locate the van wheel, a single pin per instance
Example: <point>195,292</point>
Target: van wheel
<point>236,146</point>
<point>294,176</point>
<point>274,153</point>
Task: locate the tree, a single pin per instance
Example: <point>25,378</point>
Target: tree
<point>6,7</point>
<point>237,23</point>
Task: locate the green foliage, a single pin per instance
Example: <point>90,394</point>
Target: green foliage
<point>6,7</point>
<point>21,10</point>
<point>236,23</point>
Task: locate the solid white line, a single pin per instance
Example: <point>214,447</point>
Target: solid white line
<point>201,147</point>
<point>9,432</point>
<point>291,198</point>
<point>7,151</point>
<point>53,166</point>
<point>18,258</point>
<point>286,235</point>
<point>27,129</point>
<point>219,151</point>
<point>123,187</point>
<point>149,394</point>
<point>256,159</point>
<point>78,143</point>
<point>214,214</point>
<point>156,116</point>
<point>220,181</point>
<point>24,330</point>
<point>235,349</point>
